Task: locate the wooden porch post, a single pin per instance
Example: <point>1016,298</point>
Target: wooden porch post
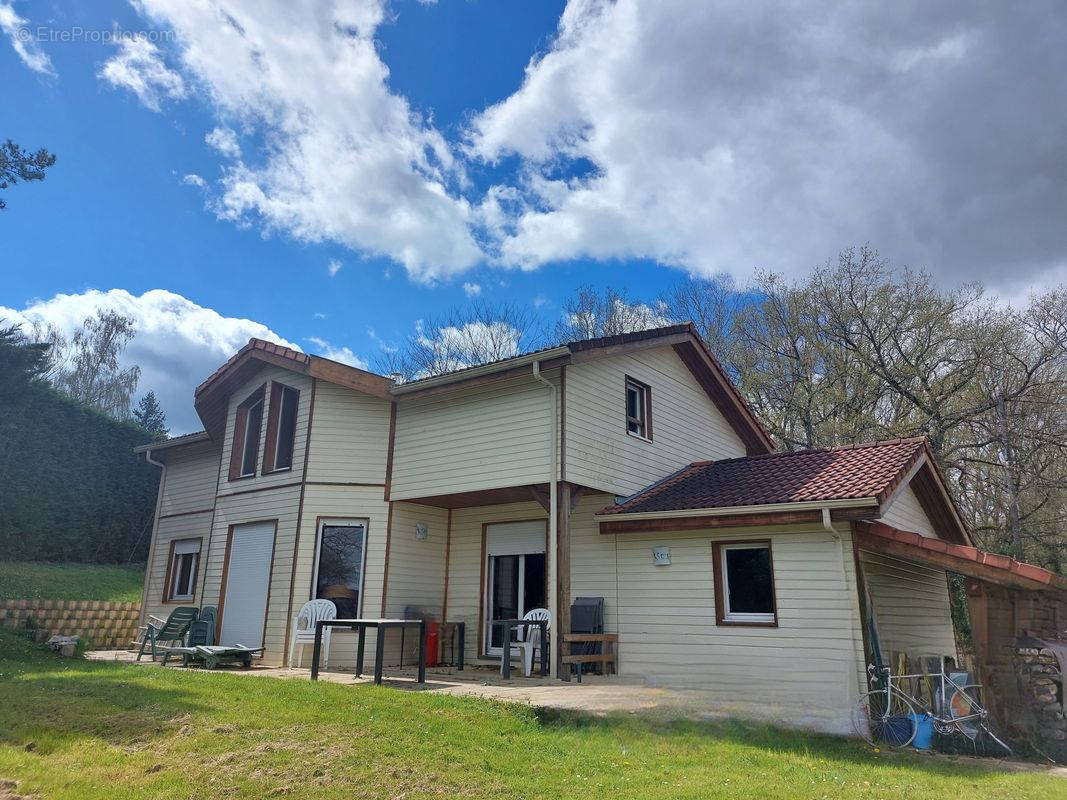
<point>562,619</point>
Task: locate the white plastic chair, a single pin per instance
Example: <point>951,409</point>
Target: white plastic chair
<point>529,638</point>
<point>304,627</point>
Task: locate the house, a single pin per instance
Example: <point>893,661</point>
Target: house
<point>627,468</point>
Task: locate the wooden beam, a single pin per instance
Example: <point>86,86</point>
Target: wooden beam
<point>964,566</point>
<point>563,565</point>
<point>349,377</point>
<point>697,523</point>
<point>542,497</point>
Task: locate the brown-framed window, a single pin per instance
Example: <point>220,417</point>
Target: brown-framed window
<point>281,428</point>
<point>183,564</point>
<point>247,425</point>
<point>744,583</point>
<point>638,409</point>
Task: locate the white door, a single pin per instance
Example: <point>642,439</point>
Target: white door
<point>515,574</point>
<point>244,607</point>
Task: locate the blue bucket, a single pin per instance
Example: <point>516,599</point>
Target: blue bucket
<point>924,731</point>
<point>896,730</point>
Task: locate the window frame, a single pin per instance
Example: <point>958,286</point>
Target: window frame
<point>278,392</point>
<point>721,580</point>
<point>645,393</point>
<point>341,522</point>
<point>239,439</point>
<point>170,579</point>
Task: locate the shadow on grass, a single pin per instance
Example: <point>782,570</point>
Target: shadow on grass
<point>47,704</point>
<point>757,735</point>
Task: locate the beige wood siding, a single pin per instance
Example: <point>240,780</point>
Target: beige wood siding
<point>465,561</point>
<point>805,672</point>
<point>686,426</point>
<point>911,606</point>
<point>188,526</point>
<point>343,502</point>
<point>481,438</point>
<point>349,436</point>
<point>189,479</point>
<point>266,375</point>
<point>593,558</point>
<point>906,513</point>
<point>279,504</point>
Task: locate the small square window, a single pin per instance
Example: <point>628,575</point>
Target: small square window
<point>744,576</point>
<point>638,409</point>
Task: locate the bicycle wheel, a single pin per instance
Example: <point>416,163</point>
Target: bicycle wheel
<point>964,703</point>
<point>885,721</point>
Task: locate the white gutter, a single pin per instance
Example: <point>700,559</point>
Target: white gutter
<point>486,369</point>
<point>722,511</point>
<point>553,516</point>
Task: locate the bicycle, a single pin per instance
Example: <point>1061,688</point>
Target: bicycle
<point>888,715</point>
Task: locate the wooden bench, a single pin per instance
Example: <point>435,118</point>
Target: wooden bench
<point>609,658</point>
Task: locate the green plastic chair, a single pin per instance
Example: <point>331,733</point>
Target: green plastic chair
<point>210,615</point>
<point>173,630</point>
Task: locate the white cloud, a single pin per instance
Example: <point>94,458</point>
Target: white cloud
<point>384,346</point>
<point>18,30</point>
<point>727,136</point>
<point>472,289</point>
<point>342,354</point>
<point>178,343</point>
<point>225,141</point>
<point>192,179</point>
<point>342,159</point>
<point>334,267</point>
<point>319,315</point>
<point>139,67</point>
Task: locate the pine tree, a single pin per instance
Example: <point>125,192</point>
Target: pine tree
<point>149,415</point>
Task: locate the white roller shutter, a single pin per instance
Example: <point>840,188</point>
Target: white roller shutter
<point>515,538</point>
<point>244,608</point>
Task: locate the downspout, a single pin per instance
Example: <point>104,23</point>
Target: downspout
<point>553,517</point>
<point>155,530</point>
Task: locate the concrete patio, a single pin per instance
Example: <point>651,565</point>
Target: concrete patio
<point>595,694</point>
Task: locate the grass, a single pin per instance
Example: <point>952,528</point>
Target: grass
<point>78,729</point>
<point>32,580</point>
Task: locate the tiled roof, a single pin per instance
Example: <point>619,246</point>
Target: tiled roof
<point>254,344</point>
<point>930,544</point>
<point>840,473</point>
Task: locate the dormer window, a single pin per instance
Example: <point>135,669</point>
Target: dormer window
<point>281,428</point>
<point>638,409</point>
<point>248,424</point>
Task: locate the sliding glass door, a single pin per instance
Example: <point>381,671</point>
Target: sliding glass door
<point>515,574</point>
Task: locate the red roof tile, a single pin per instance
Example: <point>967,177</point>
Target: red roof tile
<point>840,473</point>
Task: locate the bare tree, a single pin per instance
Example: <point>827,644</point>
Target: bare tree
<point>88,366</point>
<point>590,314</point>
<point>465,337</point>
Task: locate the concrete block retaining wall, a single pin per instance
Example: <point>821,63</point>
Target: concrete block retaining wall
<point>107,626</point>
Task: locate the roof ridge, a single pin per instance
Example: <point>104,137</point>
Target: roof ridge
<point>835,449</point>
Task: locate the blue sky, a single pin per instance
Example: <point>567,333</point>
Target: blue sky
<point>521,148</point>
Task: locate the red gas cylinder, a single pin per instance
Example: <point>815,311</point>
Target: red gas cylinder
<point>432,639</point>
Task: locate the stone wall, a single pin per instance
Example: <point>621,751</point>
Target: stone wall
<point>107,626</point>
<point>1041,687</point>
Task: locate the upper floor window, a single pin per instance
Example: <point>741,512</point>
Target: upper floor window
<point>638,409</point>
<point>181,573</point>
<point>281,428</point>
<point>744,584</point>
<point>248,424</point>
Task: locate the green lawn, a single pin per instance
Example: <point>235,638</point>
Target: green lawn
<point>76,729</point>
<point>29,580</point>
